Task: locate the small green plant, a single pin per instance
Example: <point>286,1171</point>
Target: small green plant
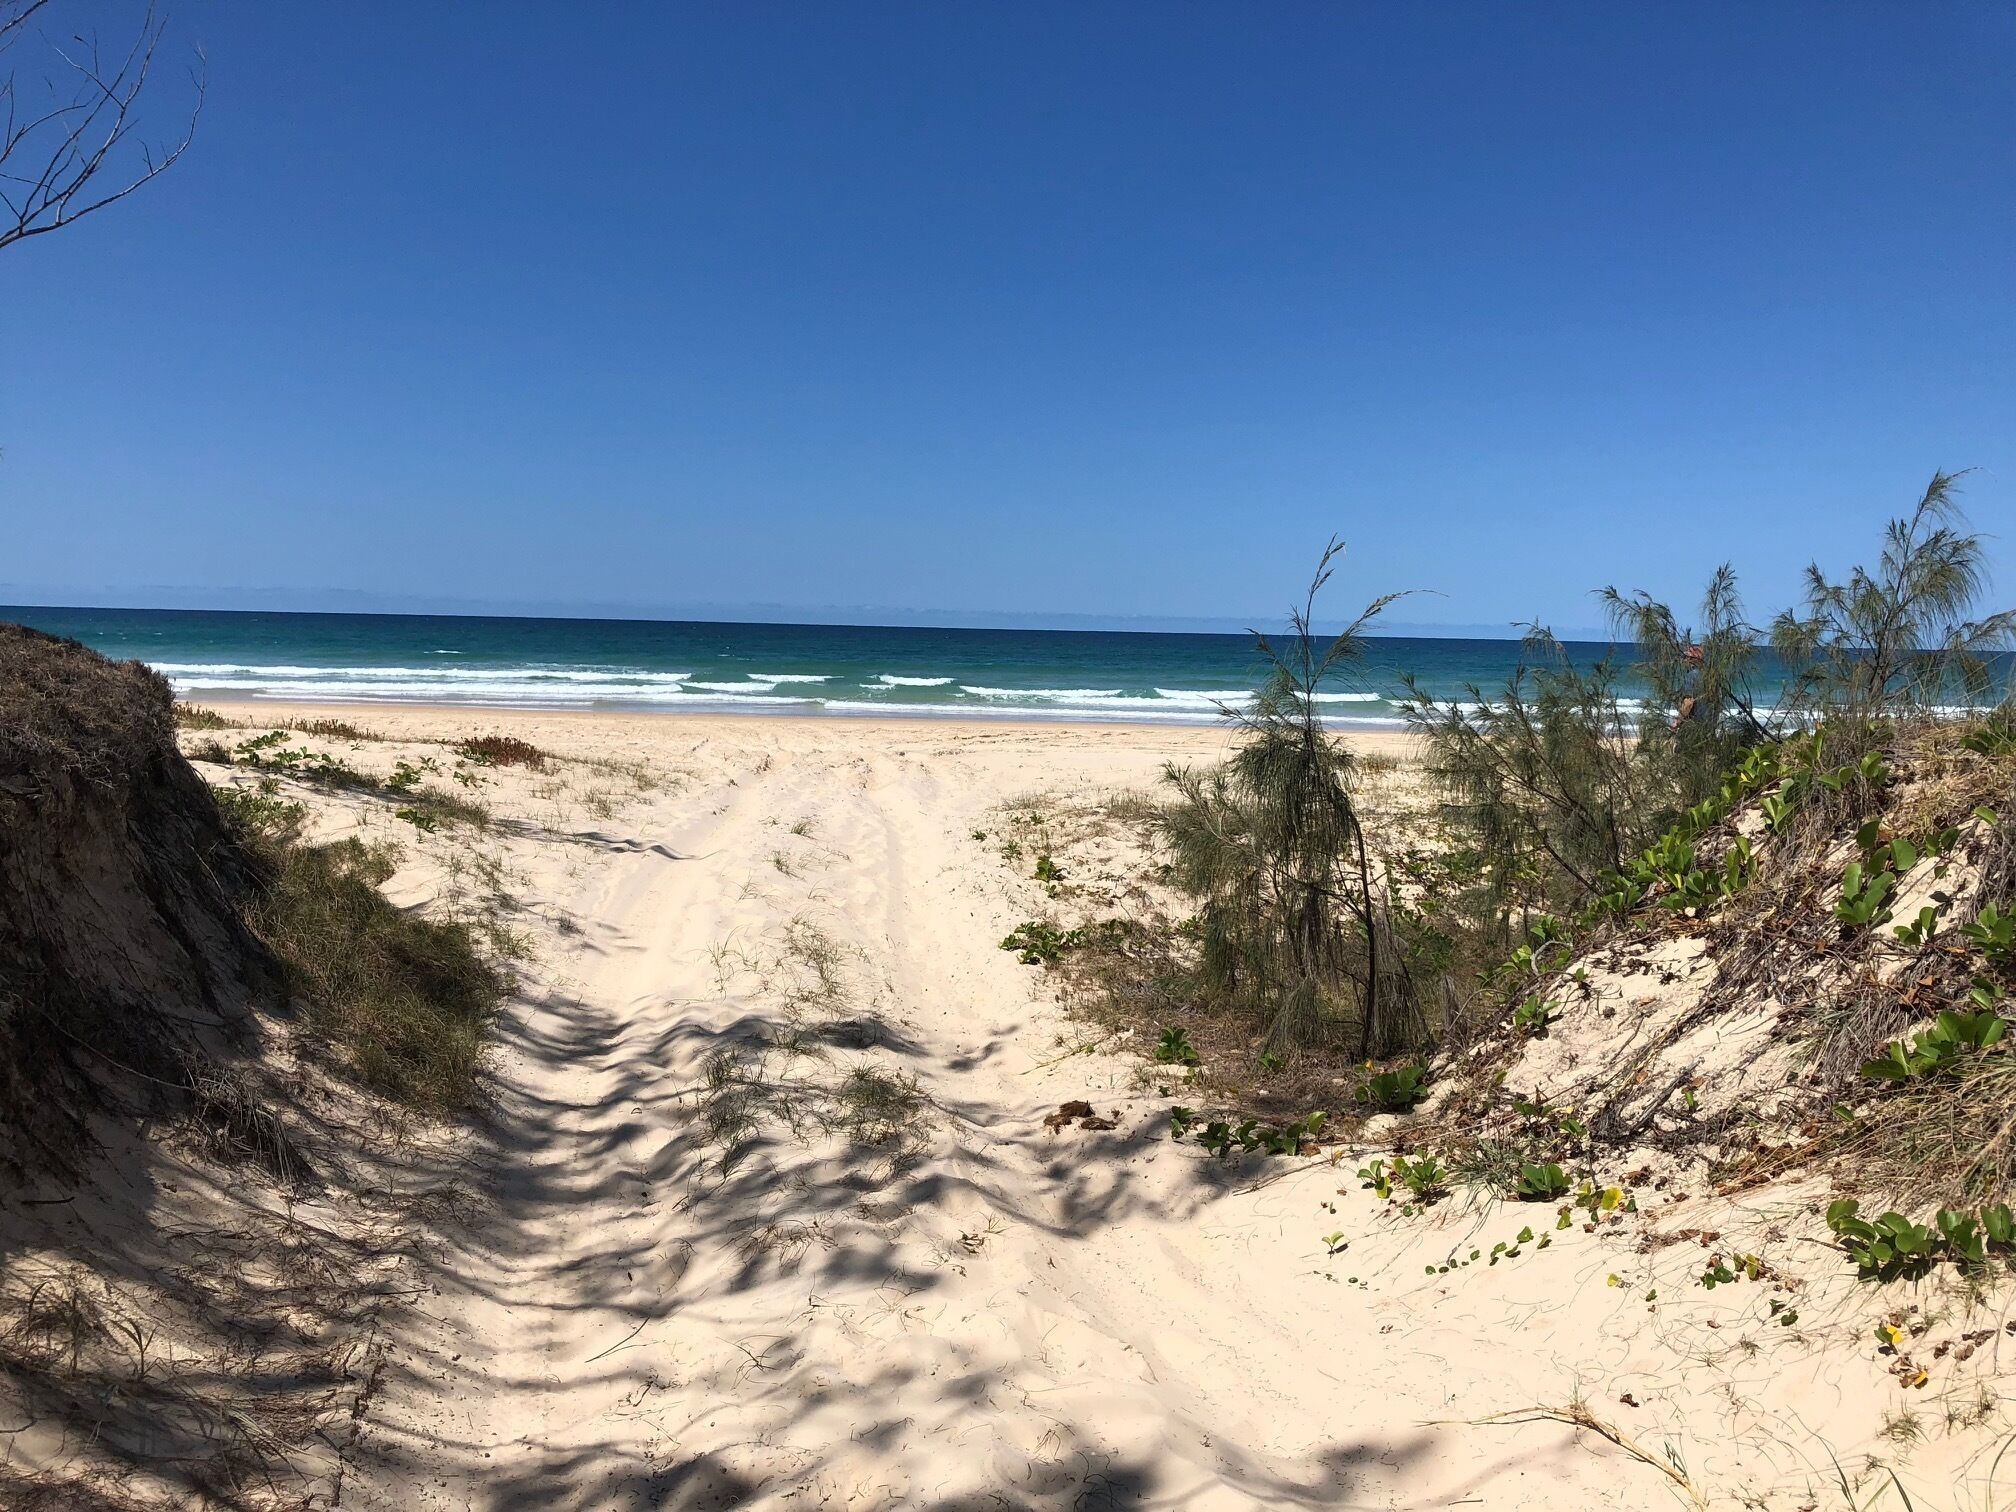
<point>1953,1038</point>
<point>1999,1226</point>
<point>1721,1273</point>
<point>1919,932</point>
<point>405,778</point>
<point>1863,896</point>
<point>419,818</point>
<point>1175,1049</point>
<point>1997,737</point>
<point>1963,1235</point>
<point>1881,853</point>
<point>1618,895</point>
<point>1778,810</point>
<point>1225,1139</point>
<point>1037,943</point>
<point>1397,1090</point>
<point>1894,1246</point>
<point>1425,1176</point>
<point>1993,933</point>
<point>1739,866</point>
<point>1541,1183</point>
<point>1532,1017</point>
<point>1047,869</point>
<point>1291,1139</point>
<point>1887,1248</point>
<point>1871,769</point>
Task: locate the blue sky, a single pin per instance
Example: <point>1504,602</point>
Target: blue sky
<point>1067,308</point>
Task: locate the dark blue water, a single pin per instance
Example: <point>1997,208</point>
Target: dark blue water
<point>833,669</point>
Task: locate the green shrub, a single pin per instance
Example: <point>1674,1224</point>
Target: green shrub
<point>1900,638</point>
<point>1298,932</point>
<point>1425,1176</point>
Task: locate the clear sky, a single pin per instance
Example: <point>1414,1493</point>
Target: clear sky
<point>1067,308</point>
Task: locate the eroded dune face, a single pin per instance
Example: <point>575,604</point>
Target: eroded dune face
<point>123,952</point>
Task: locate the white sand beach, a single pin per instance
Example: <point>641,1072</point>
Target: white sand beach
<point>779,937</point>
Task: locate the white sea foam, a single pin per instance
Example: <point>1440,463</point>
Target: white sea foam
<point>1044,693</point>
<point>240,671</point>
<point>582,687</point>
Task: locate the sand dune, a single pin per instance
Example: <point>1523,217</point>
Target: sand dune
<point>765,1211</point>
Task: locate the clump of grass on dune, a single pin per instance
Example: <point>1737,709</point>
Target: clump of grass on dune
<point>503,750</point>
<point>332,729</point>
<point>196,717</point>
<point>423,807</point>
<point>877,1107</point>
<point>406,999</point>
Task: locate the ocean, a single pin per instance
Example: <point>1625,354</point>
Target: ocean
<point>748,668</point>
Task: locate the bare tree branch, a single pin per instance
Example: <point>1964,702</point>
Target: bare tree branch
<point>78,148</point>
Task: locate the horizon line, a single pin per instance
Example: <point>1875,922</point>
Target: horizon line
<point>342,601</point>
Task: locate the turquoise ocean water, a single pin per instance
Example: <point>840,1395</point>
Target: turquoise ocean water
<point>745,668</point>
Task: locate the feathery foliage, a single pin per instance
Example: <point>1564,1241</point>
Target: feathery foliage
<point>1292,923</point>
<point>1552,783</point>
<point>1537,777</point>
<point>1898,640</point>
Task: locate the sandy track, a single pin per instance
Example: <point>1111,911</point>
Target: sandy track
<point>1004,1318</point>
